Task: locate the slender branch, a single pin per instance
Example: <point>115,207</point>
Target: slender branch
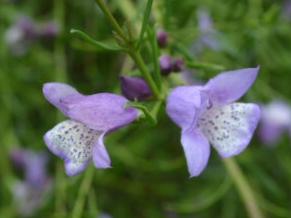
<point>135,55</point>
<point>83,191</point>
<point>245,191</point>
<point>112,20</point>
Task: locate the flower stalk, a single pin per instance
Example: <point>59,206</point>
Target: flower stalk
<point>83,191</point>
<point>245,191</point>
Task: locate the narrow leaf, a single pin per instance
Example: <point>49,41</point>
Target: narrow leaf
<point>145,22</point>
<point>97,44</point>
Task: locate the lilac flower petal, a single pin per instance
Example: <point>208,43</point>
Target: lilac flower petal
<point>182,105</point>
<point>205,22</point>
<point>56,93</point>
<point>230,86</point>
<point>276,118</point>
<point>73,142</point>
<point>35,168</point>
<point>270,133</point>
<point>277,113</point>
<point>101,158</point>
<point>102,112</point>
<point>74,168</point>
<point>230,128</point>
<point>197,151</point>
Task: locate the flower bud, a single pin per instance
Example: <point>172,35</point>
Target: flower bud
<point>135,88</point>
<point>177,65</point>
<point>162,38</point>
<point>166,64</point>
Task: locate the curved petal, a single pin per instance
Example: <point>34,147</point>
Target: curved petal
<point>229,86</point>
<point>102,112</point>
<point>230,128</point>
<point>101,158</point>
<point>73,142</point>
<point>182,105</point>
<point>197,151</point>
<point>56,93</point>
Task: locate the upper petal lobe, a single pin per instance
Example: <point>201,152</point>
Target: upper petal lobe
<point>60,95</point>
<point>229,86</point>
<point>102,112</point>
<point>182,105</point>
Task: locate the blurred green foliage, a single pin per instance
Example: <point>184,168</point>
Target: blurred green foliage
<point>149,177</point>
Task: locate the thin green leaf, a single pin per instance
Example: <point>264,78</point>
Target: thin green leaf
<point>145,22</point>
<point>155,56</point>
<point>97,44</point>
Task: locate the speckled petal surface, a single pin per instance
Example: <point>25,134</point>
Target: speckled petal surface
<point>73,142</point>
<point>229,86</point>
<point>230,128</point>
<point>196,149</point>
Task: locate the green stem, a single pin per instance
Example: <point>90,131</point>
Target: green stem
<point>60,191</point>
<point>83,191</point>
<point>245,191</point>
<point>112,20</point>
<point>135,55</point>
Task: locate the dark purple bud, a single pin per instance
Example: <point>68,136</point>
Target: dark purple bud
<point>162,38</point>
<point>49,30</point>
<point>177,65</point>
<point>135,88</point>
<point>165,64</point>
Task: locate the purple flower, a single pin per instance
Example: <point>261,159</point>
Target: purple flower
<point>208,115</point>
<point>162,38</point>
<point>276,119</point>
<point>30,194</point>
<point>135,88</point>
<point>91,117</point>
<point>19,36</point>
<point>208,36</point>
<point>207,31</point>
<point>33,164</point>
